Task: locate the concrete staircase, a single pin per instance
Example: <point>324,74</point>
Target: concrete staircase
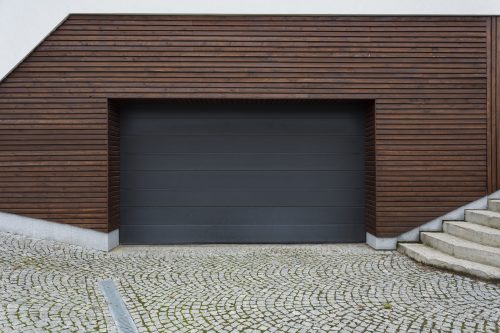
<point>471,246</point>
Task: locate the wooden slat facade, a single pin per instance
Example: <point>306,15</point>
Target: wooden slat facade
<point>370,173</point>
<point>432,136</point>
<point>113,166</point>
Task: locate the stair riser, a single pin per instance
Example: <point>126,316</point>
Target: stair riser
<point>472,235</point>
<point>473,217</point>
<point>494,205</point>
<point>476,255</point>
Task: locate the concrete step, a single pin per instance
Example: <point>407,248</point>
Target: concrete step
<point>433,257</point>
<point>473,232</point>
<point>494,205</point>
<point>461,248</point>
<point>483,217</point>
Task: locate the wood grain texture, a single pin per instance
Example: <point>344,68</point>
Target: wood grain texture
<point>494,78</point>
<point>370,173</point>
<point>113,166</point>
<point>428,75</point>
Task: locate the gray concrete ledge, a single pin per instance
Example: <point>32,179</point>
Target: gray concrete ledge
<point>60,232</point>
<point>390,243</point>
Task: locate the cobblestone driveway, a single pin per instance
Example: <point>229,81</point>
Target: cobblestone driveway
<point>51,287</point>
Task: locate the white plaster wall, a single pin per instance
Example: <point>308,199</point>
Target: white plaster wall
<point>24,23</point>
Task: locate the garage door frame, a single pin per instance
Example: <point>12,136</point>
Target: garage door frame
<point>114,154</point>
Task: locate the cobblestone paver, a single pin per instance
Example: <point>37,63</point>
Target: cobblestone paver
<point>51,287</point>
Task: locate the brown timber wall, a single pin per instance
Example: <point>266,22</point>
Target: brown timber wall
<point>113,166</point>
<point>428,76</point>
<point>370,173</point>
<point>493,103</point>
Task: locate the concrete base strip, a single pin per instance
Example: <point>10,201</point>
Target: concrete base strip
<point>59,232</point>
<point>121,316</point>
<point>390,243</point>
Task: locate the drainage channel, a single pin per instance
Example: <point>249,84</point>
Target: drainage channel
<point>119,312</point>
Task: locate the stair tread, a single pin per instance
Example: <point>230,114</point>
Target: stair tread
<point>457,241</point>
<point>433,257</point>
<point>484,212</point>
<point>485,217</point>
<point>475,227</point>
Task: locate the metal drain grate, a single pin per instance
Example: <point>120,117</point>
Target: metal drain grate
<point>117,307</point>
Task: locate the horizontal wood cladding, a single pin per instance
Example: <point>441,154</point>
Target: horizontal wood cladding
<point>428,76</point>
<point>370,173</point>
<point>113,166</point>
<point>493,104</point>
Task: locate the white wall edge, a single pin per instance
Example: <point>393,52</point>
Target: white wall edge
<point>64,233</point>
<point>12,68</point>
<point>390,243</point>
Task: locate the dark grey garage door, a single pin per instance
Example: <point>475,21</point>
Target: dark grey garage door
<point>249,172</point>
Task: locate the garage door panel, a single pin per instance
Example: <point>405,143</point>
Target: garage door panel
<point>250,161</point>
<point>189,234</point>
<point>241,180</point>
<point>240,215</point>
<point>241,143</point>
<point>276,126</point>
<point>243,198</point>
<point>254,172</point>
